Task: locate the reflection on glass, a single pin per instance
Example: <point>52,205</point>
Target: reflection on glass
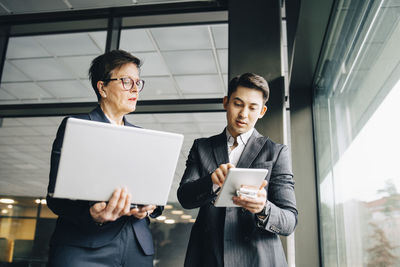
<point>357,99</point>
<point>50,68</point>
<point>168,54</point>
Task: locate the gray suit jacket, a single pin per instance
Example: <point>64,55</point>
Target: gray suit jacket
<point>230,236</point>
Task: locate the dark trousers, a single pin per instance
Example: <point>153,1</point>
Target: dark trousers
<point>124,251</point>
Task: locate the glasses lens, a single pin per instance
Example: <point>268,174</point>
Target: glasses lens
<point>127,83</point>
<point>140,85</point>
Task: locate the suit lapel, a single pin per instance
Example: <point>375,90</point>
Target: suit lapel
<point>251,150</point>
<point>98,115</point>
<point>220,150</point>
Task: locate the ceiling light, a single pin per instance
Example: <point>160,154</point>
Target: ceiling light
<point>43,201</point>
<point>7,200</point>
<point>192,220</point>
<point>161,218</point>
<point>37,201</point>
<point>4,211</point>
<point>186,216</point>
<point>168,207</point>
<point>169,221</point>
<point>177,212</point>
<point>10,206</point>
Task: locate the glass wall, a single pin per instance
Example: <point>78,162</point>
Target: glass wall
<point>356,104</point>
<point>26,224</point>
<point>52,68</point>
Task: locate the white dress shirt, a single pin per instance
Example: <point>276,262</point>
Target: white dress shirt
<point>235,153</point>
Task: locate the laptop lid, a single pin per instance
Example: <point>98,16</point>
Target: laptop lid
<point>98,157</point>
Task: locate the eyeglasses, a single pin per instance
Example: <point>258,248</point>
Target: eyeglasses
<point>128,83</point>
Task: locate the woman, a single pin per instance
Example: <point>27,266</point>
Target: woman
<point>113,233</point>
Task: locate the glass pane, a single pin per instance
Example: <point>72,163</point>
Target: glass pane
<point>50,68</point>
<point>357,99</point>
<point>181,62</point>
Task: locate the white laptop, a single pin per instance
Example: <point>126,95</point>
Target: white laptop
<point>98,157</point>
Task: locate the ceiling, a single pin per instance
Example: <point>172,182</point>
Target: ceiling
<point>25,146</point>
<point>10,7</point>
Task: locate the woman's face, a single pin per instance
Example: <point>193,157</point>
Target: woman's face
<point>114,96</point>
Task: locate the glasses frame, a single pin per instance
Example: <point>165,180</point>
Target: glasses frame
<point>133,83</point>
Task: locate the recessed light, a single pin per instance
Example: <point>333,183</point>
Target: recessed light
<point>7,200</point>
<point>169,221</point>
<point>186,216</point>
<point>168,207</point>
<point>177,212</point>
<point>161,218</point>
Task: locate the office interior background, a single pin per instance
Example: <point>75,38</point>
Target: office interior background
<point>333,68</point>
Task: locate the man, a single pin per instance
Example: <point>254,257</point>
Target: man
<point>246,235</point>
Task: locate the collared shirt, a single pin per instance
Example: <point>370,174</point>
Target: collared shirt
<point>234,154</point>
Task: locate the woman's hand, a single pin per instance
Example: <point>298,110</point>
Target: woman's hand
<point>142,211</point>
<point>118,205</point>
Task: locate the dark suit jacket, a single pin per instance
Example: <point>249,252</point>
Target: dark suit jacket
<point>75,225</point>
<point>230,236</point>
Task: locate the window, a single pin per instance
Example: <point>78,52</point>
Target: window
<point>357,99</point>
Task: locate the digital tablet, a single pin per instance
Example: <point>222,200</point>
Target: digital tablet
<point>234,180</point>
<point>97,157</point>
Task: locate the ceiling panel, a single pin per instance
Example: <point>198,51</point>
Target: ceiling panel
<point>220,34</point>
<point>182,38</point>
<point>44,69</point>
<point>25,47</point>
<point>180,127</point>
<point>174,118</point>
<point>99,39</point>
<point>5,96</point>
<point>33,6</point>
<point>79,65</point>
<point>79,4</point>
<point>26,90</point>
<point>136,40</point>
<point>141,118</point>
<point>66,89</point>
<point>70,44</point>
<point>205,117</point>
<point>190,62</point>
<point>158,88</point>
<point>152,64</point>
<point>35,121</point>
<point>199,84</point>
<point>223,60</point>
<point>12,74</point>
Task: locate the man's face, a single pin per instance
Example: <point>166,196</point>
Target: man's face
<point>243,109</point>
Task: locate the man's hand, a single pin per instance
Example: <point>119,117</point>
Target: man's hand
<point>253,205</point>
<point>118,205</point>
<point>142,211</point>
<point>218,176</point>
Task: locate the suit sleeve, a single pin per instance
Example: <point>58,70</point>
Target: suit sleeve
<point>282,217</point>
<point>75,211</point>
<point>195,190</point>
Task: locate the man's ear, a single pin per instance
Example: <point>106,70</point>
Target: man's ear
<point>100,88</point>
<point>263,111</point>
<point>225,102</point>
